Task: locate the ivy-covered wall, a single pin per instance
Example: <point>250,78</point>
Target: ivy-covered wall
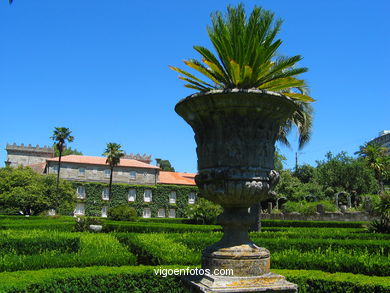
<point>119,195</point>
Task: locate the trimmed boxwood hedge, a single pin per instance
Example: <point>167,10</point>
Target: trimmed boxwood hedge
<point>143,279</point>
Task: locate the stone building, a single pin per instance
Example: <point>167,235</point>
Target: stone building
<point>21,155</point>
<point>383,139</point>
<point>133,170</point>
<point>95,169</point>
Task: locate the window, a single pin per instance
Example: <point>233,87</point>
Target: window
<point>81,171</point>
<point>133,175</point>
<point>147,195</point>
<point>172,197</point>
<point>55,169</point>
<point>106,193</point>
<point>95,171</point>
<point>161,213</point>
<point>191,198</point>
<point>132,195</point>
<point>146,213</point>
<point>104,211</point>
<point>172,213</point>
<point>107,173</point>
<point>81,192</point>
<point>80,209</point>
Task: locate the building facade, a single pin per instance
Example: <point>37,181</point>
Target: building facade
<point>152,192</point>
<point>383,139</point>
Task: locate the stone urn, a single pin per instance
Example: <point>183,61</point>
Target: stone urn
<point>235,132</point>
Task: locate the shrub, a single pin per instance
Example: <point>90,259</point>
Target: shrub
<point>382,225</point>
<point>122,213</point>
<point>203,212</point>
<point>83,223</point>
<point>307,208</point>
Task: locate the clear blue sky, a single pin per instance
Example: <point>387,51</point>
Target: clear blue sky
<point>101,69</point>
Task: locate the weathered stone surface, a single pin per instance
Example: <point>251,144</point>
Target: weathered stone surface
<point>269,282</point>
<point>235,132</point>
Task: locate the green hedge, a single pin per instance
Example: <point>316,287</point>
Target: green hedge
<point>290,223</point>
<point>185,249</point>
<point>143,279</point>
<point>160,197</point>
<point>95,249</point>
<point>312,281</point>
<point>142,227</point>
<point>91,279</point>
<point>36,245</point>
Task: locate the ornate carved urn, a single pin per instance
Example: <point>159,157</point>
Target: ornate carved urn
<point>235,132</point>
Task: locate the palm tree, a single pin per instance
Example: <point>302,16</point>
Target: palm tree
<point>60,136</point>
<point>114,154</point>
<point>378,160</point>
<point>247,58</point>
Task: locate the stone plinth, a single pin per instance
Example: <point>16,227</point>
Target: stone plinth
<point>269,282</point>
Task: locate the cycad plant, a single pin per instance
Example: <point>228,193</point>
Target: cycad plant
<point>247,58</point>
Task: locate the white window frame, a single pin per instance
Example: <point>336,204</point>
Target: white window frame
<point>172,213</point>
<point>172,197</point>
<point>107,173</point>
<point>148,195</point>
<point>79,209</point>
<point>106,193</point>
<point>95,170</point>
<point>82,194</point>
<point>132,195</point>
<point>80,171</point>
<point>104,211</point>
<point>161,213</point>
<point>192,198</point>
<point>146,213</point>
<point>133,175</point>
<point>55,169</point>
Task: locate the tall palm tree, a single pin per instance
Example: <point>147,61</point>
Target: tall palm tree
<point>247,58</point>
<point>61,135</point>
<point>114,154</point>
<point>378,160</point>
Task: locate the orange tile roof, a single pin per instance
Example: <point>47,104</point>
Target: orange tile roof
<point>176,178</point>
<point>101,161</point>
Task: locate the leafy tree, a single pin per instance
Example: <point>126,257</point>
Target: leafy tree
<point>22,189</point>
<point>61,135</point>
<point>305,173</point>
<point>114,154</point>
<point>165,165</point>
<point>377,159</point>
<point>247,57</point>
<point>278,160</point>
<point>344,173</point>
<point>67,152</point>
<point>382,225</point>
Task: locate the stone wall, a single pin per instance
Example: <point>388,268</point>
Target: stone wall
<point>27,155</point>
<point>97,173</point>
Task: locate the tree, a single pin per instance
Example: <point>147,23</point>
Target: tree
<point>248,58</point>
<point>61,135</point>
<point>278,160</point>
<point>165,165</point>
<point>22,189</point>
<point>114,154</point>
<point>344,173</point>
<point>377,159</point>
<point>67,152</point>
<point>305,173</point>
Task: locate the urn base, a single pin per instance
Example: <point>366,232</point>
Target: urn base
<point>269,282</point>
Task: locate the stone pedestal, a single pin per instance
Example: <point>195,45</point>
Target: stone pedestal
<point>235,132</point>
<point>269,282</point>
